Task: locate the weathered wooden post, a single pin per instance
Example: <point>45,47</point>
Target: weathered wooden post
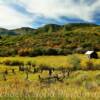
<point>19,68</point>
<point>4,76</point>
<point>69,71</point>
<point>27,76</point>
<point>6,72</point>
<point>50,72</point>
<point>13,71</point>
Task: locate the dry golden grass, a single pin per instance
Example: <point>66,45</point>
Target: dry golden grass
<point>80,85</point>
<point>72,88</point>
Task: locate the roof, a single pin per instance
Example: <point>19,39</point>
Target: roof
<point>89,52</point>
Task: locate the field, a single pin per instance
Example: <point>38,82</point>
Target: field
<point>73,77</point>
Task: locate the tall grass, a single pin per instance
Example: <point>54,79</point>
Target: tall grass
<point>82,84</point>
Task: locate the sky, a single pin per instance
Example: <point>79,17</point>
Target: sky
<point>36,13</point>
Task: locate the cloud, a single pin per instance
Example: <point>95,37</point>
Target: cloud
<point>82,9</point>
<point>11,18</point>
<point>17,13</point>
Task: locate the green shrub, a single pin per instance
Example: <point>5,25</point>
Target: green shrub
<point>74,62</point>
<point>12,63</point>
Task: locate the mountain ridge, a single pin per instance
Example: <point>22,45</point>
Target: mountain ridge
<point>53,27</point>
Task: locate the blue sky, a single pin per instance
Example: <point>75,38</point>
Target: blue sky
<point>36,13</point>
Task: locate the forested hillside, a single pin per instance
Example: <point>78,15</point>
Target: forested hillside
<point>50,40</point>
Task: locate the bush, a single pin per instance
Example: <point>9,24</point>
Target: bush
<point>12,63</point>
<point>74,62</point>
<point>97,76</point>
<point>81,79</point>
<point>36,52</point>
<point>23,52</point>
<point>51,51</point>
<point>90,86</point>
<point>89,65</point>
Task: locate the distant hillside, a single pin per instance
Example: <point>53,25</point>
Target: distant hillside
<point>50,40</point>
<point>24,30</point>
<point>46,28</point>
<point>6,32</point>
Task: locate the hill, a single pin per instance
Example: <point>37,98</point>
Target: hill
<point>23,30</point>
<point>50,40</point>
<point>6,32</point>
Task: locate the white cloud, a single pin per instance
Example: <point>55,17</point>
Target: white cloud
<point>57,8</point>
<point>10,18</point>
<point>53,9</point>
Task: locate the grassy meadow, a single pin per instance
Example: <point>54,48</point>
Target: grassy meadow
<point>82,83</point>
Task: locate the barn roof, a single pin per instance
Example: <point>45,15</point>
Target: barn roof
<point>89,52</point>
